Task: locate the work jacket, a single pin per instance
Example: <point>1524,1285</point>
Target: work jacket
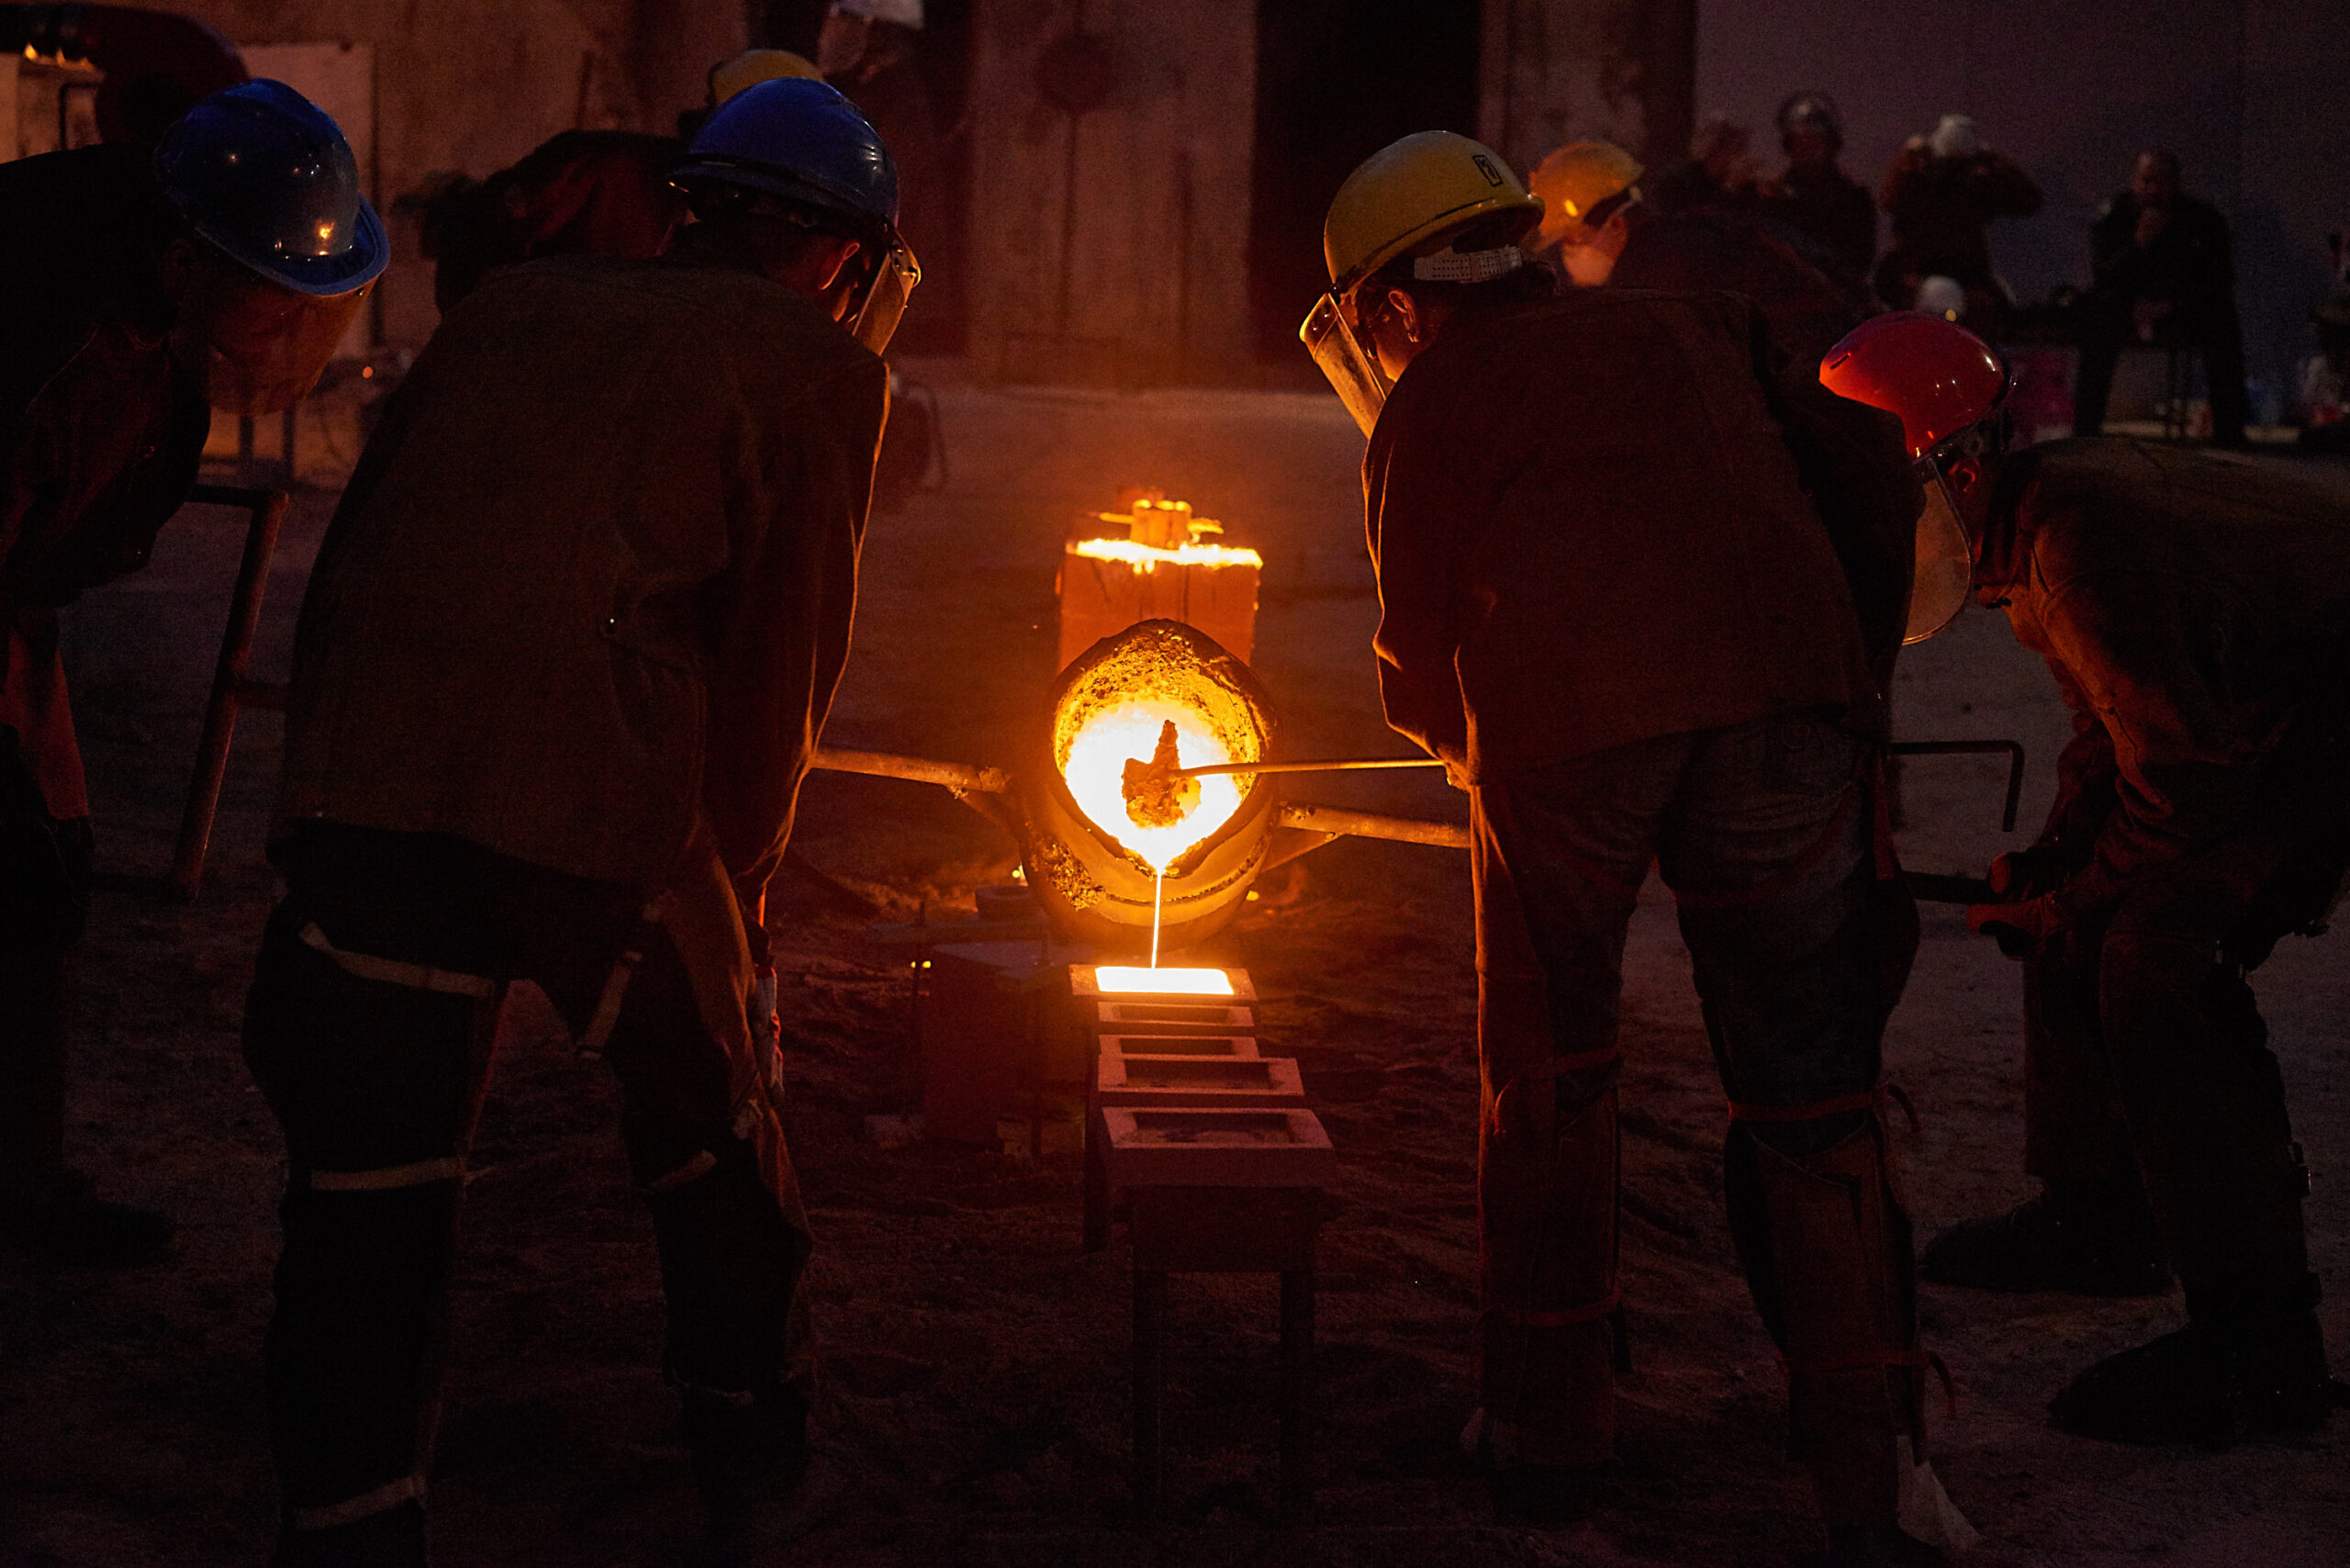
<point>100,427</point>
<point>587,595</point>
<point>1832,211</point>
<point>1941,208</point>
<point>1804,310</point>
<point>2195,609</point>
<point>2190,264</point>
<point>1590,525</point>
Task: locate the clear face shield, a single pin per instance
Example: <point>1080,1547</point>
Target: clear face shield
<point>875,317</point>
<point>266,346</point>
<point>1328,335</point>
<point>1945,559</point>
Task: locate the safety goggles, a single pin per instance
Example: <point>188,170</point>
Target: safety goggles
<point>1329,334</point>
<point>885,298</point>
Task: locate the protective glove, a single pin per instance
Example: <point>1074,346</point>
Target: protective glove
<point>2021,874</point>
<point>2029,929</point>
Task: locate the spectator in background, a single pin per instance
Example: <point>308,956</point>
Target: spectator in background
<point>1944,190</point>
<point>1719,171</point>
<point>1813,197</point>
<point>2161,262</point>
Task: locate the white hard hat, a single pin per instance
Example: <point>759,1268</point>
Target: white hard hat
<point>904,12</point>
<point>1955,138</point>
<point>1942,297</point>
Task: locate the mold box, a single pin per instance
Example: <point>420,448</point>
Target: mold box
<point>1209,1145</point>
<point>1251,1081</point>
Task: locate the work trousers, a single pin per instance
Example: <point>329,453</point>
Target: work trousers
<point>2212,330</point>
<point>35,972</point>
<point>1764,832</point>
<point>369,1030</point>
<point>2153,1046</point>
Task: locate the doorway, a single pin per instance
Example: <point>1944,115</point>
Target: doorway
<point>1338,80</point>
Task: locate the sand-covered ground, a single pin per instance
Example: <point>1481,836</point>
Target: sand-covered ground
<point>974,1406</point>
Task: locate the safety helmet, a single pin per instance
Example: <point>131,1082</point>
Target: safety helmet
<point>1946,383</point>
<point>263,175</point>
<point>1407,198</point>
<point>802,142</point>
<point>1940,378</point>
<point>1582,186</point>
<point>1412,191</point>
<point>1955,136</point>
<point>1815,109</point>
<point>754,66</point>
<point>904,12</point>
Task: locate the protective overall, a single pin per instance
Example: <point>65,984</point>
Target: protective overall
<point>105,376</point>
<point>564,660</point>
<point>2195,612</point>
<point>1616,609</point>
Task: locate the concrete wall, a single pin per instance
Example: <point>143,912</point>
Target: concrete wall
<point>1110,247</point>
<point>2254,95</point>
<point>1560,71</point>
<point>474,85</point>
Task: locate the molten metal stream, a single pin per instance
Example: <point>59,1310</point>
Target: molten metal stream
<point>1158,902</point>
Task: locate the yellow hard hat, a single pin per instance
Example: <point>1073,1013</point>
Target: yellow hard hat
<point>1576,179</point>
<point>754,66</point>
<point>1411,192</point>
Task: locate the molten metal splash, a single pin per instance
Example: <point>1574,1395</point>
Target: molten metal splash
<point>1096,772</point>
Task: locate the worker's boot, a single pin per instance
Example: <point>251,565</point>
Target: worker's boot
<point>392,1538</point>
<point>1826,1244</point>
<point>2250,1362</point>
<point>44,1207</point>
<point>1548,1338</point>
<point>748,1450</point>
<point>69,1226</point>
<point>2086,1238</point>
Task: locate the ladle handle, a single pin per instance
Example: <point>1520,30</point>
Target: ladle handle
<point>1350,764</point>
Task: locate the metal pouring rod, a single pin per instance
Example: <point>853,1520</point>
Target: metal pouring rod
<point>1371,824</point>
<point>1349,765</point>
<point>959,777</point>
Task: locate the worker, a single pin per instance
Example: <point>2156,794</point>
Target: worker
<point>1942,191</point>
<point>2163,264</point>
<point>569,642</point>
<point>138,289</point>
<point>2195,610</point>
<point>1597,220</point>
<point>597,192</point>
<point>1610,608</point>
<point>1718,172</point>
<point>1814,196</point>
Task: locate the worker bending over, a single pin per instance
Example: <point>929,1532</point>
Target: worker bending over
<point>138,292</point>
<point>1611,608</point>
<point>566,651</point>
<point>2195,609</point>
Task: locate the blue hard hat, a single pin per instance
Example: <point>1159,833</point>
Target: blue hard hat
<point>801,141</point>
<point>260,172</point>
